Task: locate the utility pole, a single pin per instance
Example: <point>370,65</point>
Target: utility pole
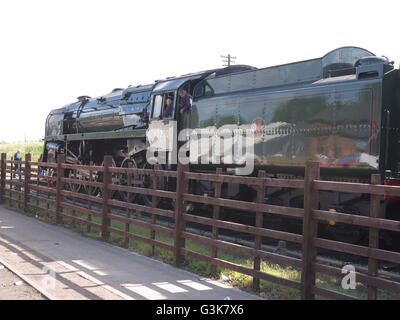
<point>229,60</point>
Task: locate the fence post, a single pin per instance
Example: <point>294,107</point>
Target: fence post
<point>107,180</point>
<point>60,174</point>
<point>3,176</point>
<point>309,230</point>
<point>181,188</point>
<point>19,185</point>
<point>127,211</point>
<point>259,224</point>
<point>373,236</point>
<point>90,190</point>
<point>27,180</point>
<point>216,210</point>
<point>154,200</point>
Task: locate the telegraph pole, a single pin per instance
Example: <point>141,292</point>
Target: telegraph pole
<point>228,60</point>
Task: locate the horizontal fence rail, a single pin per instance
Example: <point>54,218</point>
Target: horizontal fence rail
<point>85,195</point>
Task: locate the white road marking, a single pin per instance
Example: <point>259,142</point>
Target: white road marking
<point>169,287</point>
<point>90,267</point>
<point>144,291</point>
<point>96,281</point>
<point>194,285</point>
<point>84,264</point>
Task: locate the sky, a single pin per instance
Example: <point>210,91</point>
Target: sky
<point>51,52</point>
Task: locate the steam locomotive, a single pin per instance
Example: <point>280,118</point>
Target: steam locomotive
<point>341,109</point>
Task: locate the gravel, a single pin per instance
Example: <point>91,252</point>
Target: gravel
<point>13,288</point>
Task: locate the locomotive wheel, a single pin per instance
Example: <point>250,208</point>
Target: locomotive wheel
<point>86,188</point>
<point>164,183</point>
<point>147,182</point>
<point>114,178</point>
<point>132,180</point>
<point>50,172</point>
<point>82,175</point>
<point>76,187</point>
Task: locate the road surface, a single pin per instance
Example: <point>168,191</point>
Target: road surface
<point>63,264</point>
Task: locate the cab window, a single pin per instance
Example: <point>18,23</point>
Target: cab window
<point>207,90</point>
<point>203,89</point>
<point>157,106</point>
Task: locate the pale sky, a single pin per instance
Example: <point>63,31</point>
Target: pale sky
<point>54,51</point>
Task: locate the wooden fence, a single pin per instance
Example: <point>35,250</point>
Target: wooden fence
<point>29,184</point>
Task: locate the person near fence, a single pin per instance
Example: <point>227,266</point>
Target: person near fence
<point>17,157</point>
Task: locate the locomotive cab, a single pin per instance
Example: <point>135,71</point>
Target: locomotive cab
<point>166,133</point>
<point>164,119</point>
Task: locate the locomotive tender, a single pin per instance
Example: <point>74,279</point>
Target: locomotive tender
<point>342,110</point>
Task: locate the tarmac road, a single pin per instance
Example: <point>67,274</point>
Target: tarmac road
<point>63,264</point>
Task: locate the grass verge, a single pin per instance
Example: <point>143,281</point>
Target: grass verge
<point>35,148</point>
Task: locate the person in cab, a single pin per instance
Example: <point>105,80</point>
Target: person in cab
<point>169,108</point>
<point>185,103</point>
